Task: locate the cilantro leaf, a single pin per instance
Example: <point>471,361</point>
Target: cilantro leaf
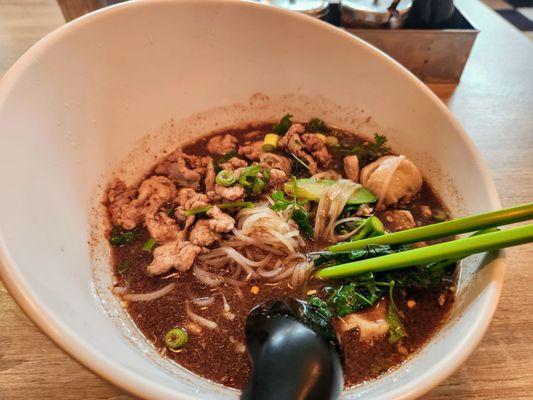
<point>318,316</point>
<point>120,237</point>
<point>283,126</point>
<point>299,213</point>
<point>432,275</point>
<point>369,151</point>
<point>316,125</point>
<point>320,306</point>
<point>361,293</point>
<point>251,181</point>
<point>301,217</point>
<point>281,203</point>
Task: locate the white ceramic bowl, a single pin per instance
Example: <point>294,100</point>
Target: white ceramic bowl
<point>85,98</point>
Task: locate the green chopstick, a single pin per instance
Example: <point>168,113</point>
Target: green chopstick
<point>454,249</point>
<point>442,229</point>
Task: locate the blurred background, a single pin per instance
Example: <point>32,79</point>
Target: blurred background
<point>392,26</point>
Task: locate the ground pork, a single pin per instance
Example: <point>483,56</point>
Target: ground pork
<point>184,170</point>
<point>176,254</point>
<point>221,144</point>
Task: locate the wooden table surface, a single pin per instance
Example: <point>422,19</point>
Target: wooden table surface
<point>494,102</point>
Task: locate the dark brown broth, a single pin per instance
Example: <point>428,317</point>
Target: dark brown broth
<point>213,353</point>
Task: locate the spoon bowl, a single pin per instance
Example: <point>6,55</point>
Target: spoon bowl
<point>294,353</point>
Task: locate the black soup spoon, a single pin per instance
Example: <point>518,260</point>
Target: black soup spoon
<point>294,353</point>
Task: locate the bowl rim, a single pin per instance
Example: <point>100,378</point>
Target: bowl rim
<point>94,360</point>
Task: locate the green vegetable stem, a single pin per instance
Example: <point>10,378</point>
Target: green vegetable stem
<point>313,189</point>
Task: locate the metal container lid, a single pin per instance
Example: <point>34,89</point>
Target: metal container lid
<point>314,8</point>
<point>372,13</point>
<point>377,6</point>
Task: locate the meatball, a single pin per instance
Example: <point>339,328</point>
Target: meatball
<point>393,179</point>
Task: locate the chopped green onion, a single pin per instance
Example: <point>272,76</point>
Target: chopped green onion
<point>222,206</point>
<point>199,210</point>
<point>270,142</point>
<point>248,175</point>
<point>120,237</point>
<point>176,338</point>
<point>252,183</point>
<point>258,186</point>
<point>149,245</point>
<point>225,178</point>
<point>321,136</point>
<point>266,174</point>
<point>332,141</point>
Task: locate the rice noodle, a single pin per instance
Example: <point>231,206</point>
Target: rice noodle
<point>266,226</point>
<point>326,175</point>
<point>239,293</point>
<point>344,220</point>
<point>330,207</point>
<point>218,262</point>
<point>207,323</point>
<point>119,290</point>
<point>203,301</point>
<point>283,239</point>
<point>269,274</point>
<point>296,256</point>
<point>237,272</point>
<point>227,310</point>
<point>150,296</point>
<point>269,249</point>
<point>264,246</point>
<point>283,275</point>
<point>345,236</point>
<point>207,278</point>
<point>238,345</point>
<point>235,282</point>
<point>173,275</point>
<point>244,262</point>
<point>300,273</point>
<point>388,181</point>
